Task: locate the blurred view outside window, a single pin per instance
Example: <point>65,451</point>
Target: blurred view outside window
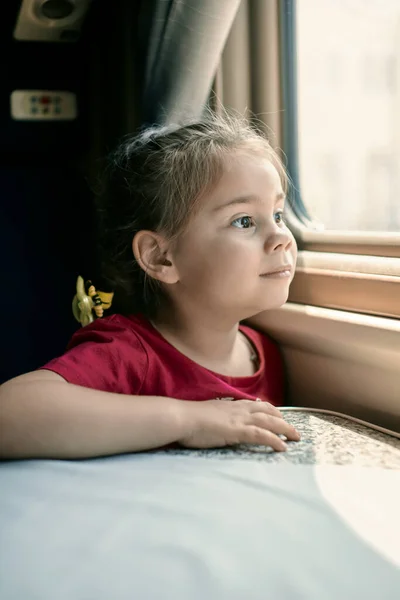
<point>348,69</point>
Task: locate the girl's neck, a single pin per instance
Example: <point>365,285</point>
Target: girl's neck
<point>201,337</point>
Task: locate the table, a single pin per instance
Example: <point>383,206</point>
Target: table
<point>320,522</point>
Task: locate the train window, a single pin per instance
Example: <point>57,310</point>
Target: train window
<point>348,118</point>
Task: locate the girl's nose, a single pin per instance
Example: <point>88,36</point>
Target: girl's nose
<point>278,241</point>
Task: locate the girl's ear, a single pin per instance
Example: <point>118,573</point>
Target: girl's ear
<point>152,254</point>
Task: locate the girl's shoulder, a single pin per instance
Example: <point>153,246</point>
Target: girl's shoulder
<point>108,355</point>
<point>114,326</point>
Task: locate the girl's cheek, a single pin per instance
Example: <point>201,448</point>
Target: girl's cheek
<point>295,252</point>
<point>294,244</point>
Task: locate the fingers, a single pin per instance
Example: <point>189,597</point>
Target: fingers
<point>258,436</point>
<point>267,407</point>
<point>275,425</point>
<point>258,423</point>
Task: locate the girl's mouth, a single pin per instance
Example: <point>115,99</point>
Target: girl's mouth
<point>283,272</point>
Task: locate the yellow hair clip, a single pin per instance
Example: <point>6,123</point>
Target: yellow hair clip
<point>88,300</point>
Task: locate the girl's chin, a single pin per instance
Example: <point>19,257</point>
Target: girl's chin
<point>270,305</point>
<point>274,303</point>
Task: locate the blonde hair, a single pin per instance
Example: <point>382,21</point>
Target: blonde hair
<point>155,180</point>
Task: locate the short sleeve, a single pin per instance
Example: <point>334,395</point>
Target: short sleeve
<point>106,355</point>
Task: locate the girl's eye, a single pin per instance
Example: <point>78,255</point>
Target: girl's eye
<point>243,223</point>
<point>278,216</point>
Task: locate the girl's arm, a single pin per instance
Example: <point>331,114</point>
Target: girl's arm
<point>43,416</point>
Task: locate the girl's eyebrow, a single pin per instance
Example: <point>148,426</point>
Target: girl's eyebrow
<point>248,200</point>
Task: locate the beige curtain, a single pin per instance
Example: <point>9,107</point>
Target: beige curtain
<point>248,76</point>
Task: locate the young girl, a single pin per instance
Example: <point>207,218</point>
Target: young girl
<point>193,232</point>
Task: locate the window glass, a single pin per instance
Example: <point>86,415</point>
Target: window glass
<point>348,77</point>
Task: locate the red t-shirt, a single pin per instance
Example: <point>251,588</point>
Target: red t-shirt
<point>127,355</point>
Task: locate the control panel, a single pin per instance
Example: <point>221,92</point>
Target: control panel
<point>43,105</point>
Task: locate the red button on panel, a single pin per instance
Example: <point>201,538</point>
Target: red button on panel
<point>45,100</point>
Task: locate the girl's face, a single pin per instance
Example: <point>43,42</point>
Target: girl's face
<point>237,257</point>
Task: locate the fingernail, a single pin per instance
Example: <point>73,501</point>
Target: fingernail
<point>282,447</point>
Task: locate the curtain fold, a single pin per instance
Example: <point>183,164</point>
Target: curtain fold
<point>184,41</point>
<point>248,77</point>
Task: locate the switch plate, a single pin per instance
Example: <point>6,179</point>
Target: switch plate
<point>43,105</point>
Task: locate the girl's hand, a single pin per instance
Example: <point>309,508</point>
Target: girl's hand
<point>217,423</point>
